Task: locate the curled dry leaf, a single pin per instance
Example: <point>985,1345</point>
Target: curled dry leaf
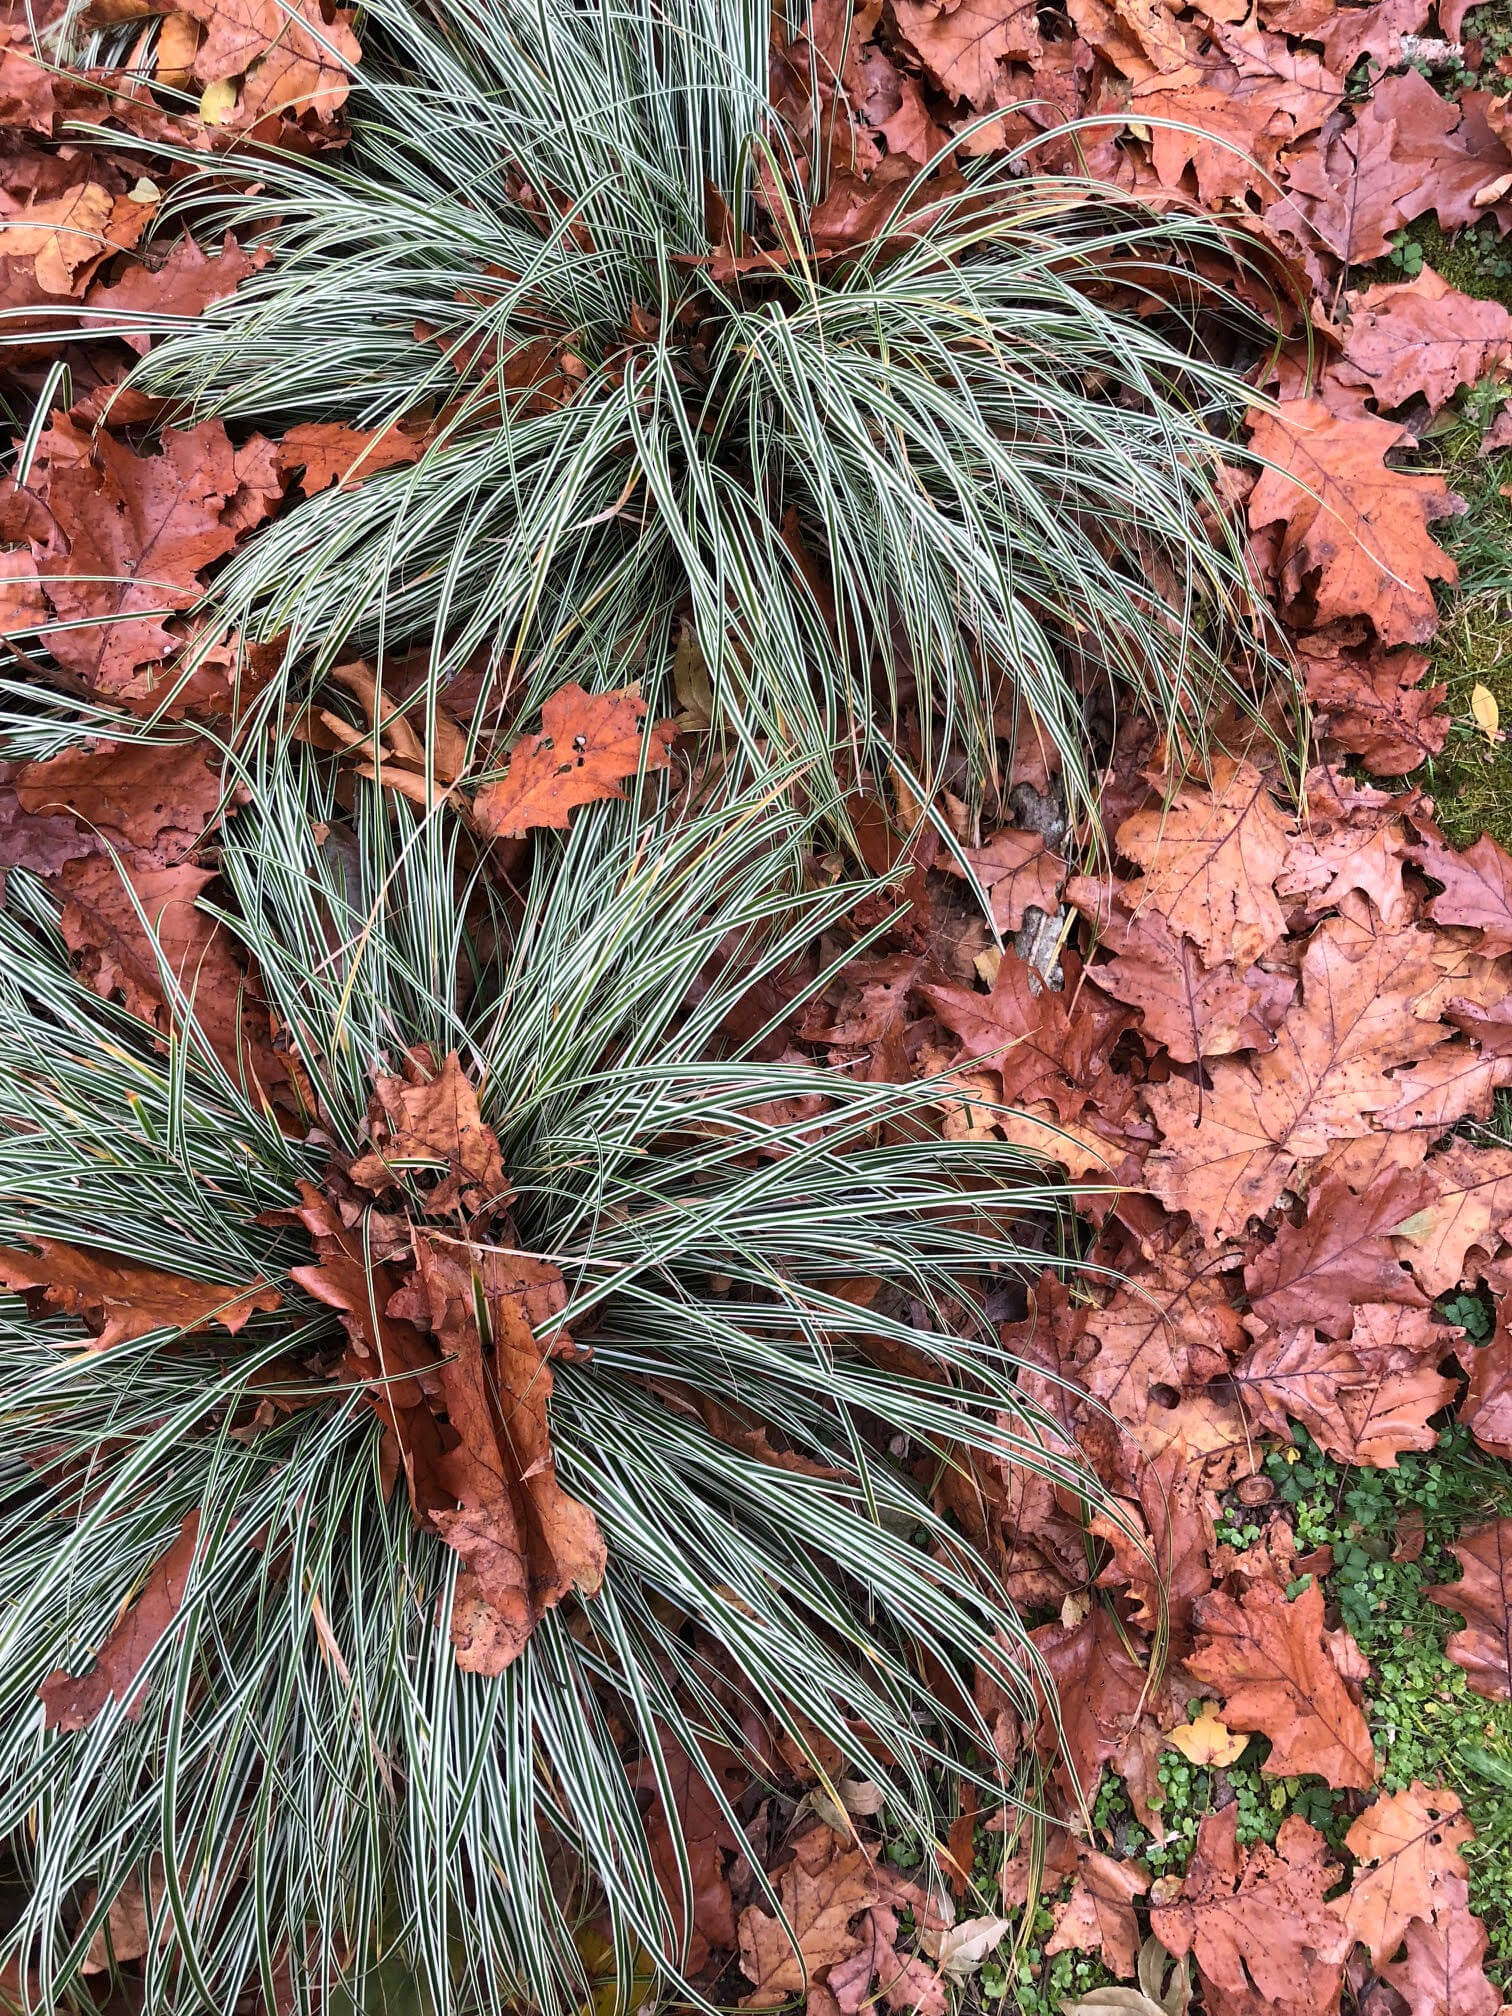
<point>121,1299</point>
<point>1483,1597</point>
<point>73,1703</point>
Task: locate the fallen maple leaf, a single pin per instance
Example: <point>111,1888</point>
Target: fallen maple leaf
<point>1408,1865</point>
<point>588,744</point>
<point>1356,540</point>
<point>123,1298</point>
<point>73,1703</point>
<point>1271,1663</point>
<point>428,1123</point>
<point>822,1890</point>
<point>1364,1400</point>
<point>1483,1597</point>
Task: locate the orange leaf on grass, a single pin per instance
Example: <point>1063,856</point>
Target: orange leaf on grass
<point>588,745</point>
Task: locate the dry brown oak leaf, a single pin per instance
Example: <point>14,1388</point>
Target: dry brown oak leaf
<point>1166,1326</point>
<point>1407,1865</point>
<point>961,46</point>
<point>427,1123</point>
<point>1098,1915</point>
<point>1373,704</point>
<point>1258,1925</point>
<point>155,800</point>
<point>1191,1009</point>
<point>1356,541</point>
<point>525,1541</point>
<point>1272,1664</point>
<point>1443,1973</point>
<point>588,745</point>
<point>120,1299</point>
<point>288,55</point>
<point>1486,1409</point>
<point>1369,1001</point>
<point>72,1703</point>
<point>1340,1256</point>
<point>1100,1687</point>
<point>1014,869</point>
<point>822,1891</point>
<point>1469,1204</point>
<point>329,453</point>
<point>186,283</point>
<point>1421,337</point>
<point>1044,1046</point>
<point>1483,1597</point>
<point>706,1837</point>
<point>1477,892</point>
<point>1211,858</point>
<point>1365,1399</point>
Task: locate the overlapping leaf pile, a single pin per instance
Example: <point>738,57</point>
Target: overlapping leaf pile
<point>1255,1041</point>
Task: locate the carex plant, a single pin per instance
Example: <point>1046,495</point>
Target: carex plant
<point>303,1781</point>
<point>895,486</point>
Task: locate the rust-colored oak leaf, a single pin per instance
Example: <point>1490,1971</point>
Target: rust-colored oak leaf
<point>427,1123</point>
<point>286,56</point>
<point>1483,1597</point>
<point>1469,1204</point>
<point>1168,1326</point>
<point>1258,1925</point>
<point>1486,1409</point>
<point>1045,1047</point>
<point>186,283</point>
<point>1100,1686</point>
<point>1098,1915</point>
<point>1356,541</point>
<point>1407,1865</point>
<point>1364,1399</point>
<point>329,453</point>
<point>525,1541</point>
<point>1369,1002</point>
<point>822,1891</point>
<point>588,745</point>
<point>707,1837</point>
<point>1342,1255</point>
<point>1477,891</point>
<point>961,46</point>
<point>154,799</point>
<point>1272,1664</point>
<point>74,1702</point>
<point>1211,858</point>
<point>1016,870</point>
<point>1444,1973</point>
<point>1423,337</point>
<point>1373,703</point>
<point>121,1299</point>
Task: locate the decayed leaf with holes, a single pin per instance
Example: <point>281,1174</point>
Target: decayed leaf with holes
<point>327,453</point>
<point>1369,1002</point>
<point>823,1890</point>
<point>155,800</point>
<point>1356,541</point>
<point>588,745</point>
<point>1483,1597</point>
<point>73,1703</point>
<point>1273,1666</point>
<point>1364,1399</point>
<point>1443,1973</point>
<point>121,1298</point>
<point>1407,1865</point>
<point>525,1541</point>
<point>1169,1326</point>
<point>1211,859</point>
<point>1257,1922</point>
<point>425,1125</point>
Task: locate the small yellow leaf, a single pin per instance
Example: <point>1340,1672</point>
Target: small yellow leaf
<point>1207,1740</point>
<point>219,102</point>
<point>1487,714</point>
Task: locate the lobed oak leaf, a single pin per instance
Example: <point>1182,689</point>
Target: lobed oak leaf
<point>74,1702</point>
<point>1373,704</point>
<point>123,1298</point>
<point>961,45</point>
<point>1477,891</point>
<point>1443,1973</point>
<point>1365,1399</point>
<point>1483,1597</point>
<point>1422,337</point>
<point>1211,858</point>
<point>1171,1325</point>
<point>1355,541</point>
<point>1407,1865</point>
<point>1098,1915</point>
<point>427,1122</point>
<point>705,1836</point>
<point>1270,1661</point>
<point>1341,1255</point>
<point>822,1891</point>
<point>64,237</point>
<point>1046,1048</point>
<point>904,1982</point>
<point>155,800</point>
<point>1369,1002</point>
<point>329,453</point>
<point>286,56</point>
<point>588,745</point>
<point>1262,1934</point>
<point>1469,1204</point>
<point>1100,1687</point>
<point>1015,870</point>
<point>186,283</point>
<point>1191,1009</point>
